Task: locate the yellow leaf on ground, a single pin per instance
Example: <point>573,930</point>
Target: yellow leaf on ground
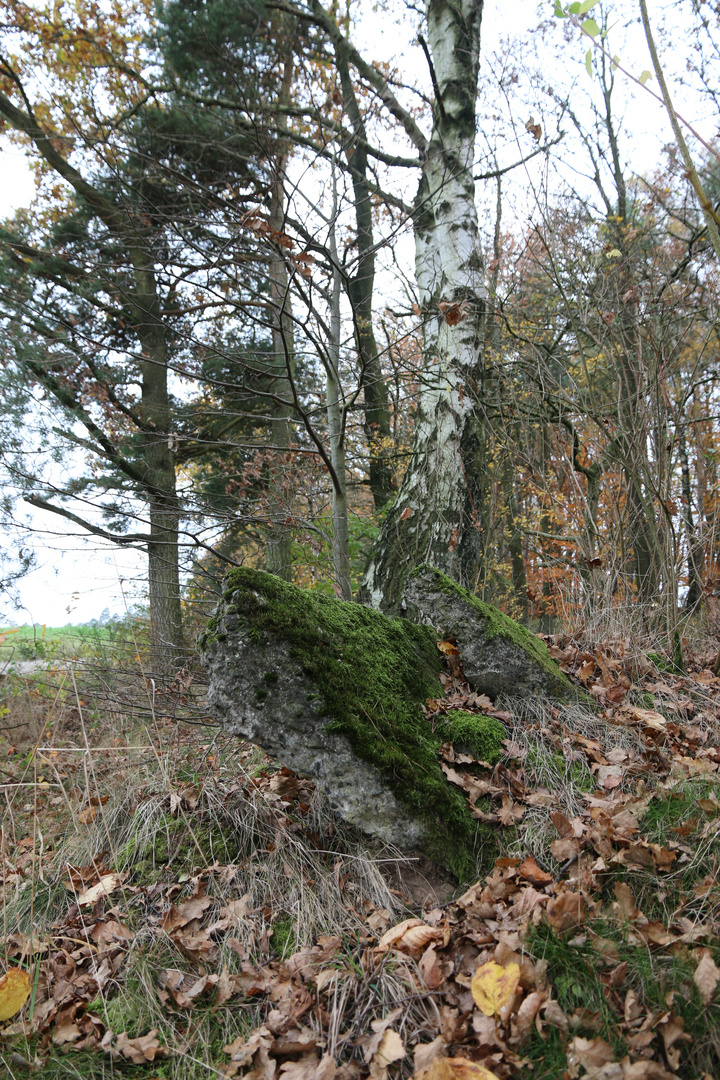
<point>14,992</point>
<point>493,986</point>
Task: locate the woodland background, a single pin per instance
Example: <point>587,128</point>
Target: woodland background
<point>214,348</point>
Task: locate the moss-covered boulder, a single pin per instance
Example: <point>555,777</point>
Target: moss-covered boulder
<point>334,690</point>
<point>499,655</point>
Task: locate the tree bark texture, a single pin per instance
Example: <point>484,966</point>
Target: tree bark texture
<point>336,426</point>
<point>278,543</point>
<point>360,292</point>
<point>434,517</point>
<point>166,631</point>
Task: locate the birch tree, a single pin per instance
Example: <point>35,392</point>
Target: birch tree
<point>433,518</point>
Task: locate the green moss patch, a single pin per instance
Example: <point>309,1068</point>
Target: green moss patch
<point>372,674</point>
<point>282,940</point>
<point>481,736</point>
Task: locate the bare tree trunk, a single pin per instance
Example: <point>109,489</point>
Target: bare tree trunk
<point>519,578</point>
<point>360,292</point>
<point>432,519</point>
<point>631,440</point>
<point>336,432</point>
<point>166,630</point>
<point>694,552</point>
<point>278,543</point>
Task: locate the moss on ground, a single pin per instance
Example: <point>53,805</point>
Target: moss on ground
<point>176,842</point>
<point>372,674</point>
<point>282,940</point>
<point>498,625</point>
<point>481,736</point>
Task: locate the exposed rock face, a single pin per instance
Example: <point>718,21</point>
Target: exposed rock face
<point>499,656</point>
<point>290,722</point>
<point>334,690</point>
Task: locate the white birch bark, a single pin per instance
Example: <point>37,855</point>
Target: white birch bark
<point>432,519</point>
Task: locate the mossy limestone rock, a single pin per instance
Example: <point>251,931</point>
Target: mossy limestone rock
<point>499,655</point>
<point>334,690</point>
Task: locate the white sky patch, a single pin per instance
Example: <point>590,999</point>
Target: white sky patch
<point>17,183</point>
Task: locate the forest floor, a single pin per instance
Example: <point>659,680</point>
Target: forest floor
<point>185,907</point>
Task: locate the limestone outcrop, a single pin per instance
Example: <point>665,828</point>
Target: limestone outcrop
<point>334,691</point>
<point>499,656</point>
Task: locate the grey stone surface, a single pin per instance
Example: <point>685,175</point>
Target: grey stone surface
<point>334,691</point>
<point>287,723</point>
<point>498,655</point>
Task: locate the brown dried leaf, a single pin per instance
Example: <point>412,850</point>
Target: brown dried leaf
<point>626,907</point>
<point>185,912</point>
<point>510,812</point>
<point>647,1070</point>
<point>706,976</point>
<point>391,1049</point>
<point>65,1032</point>
<point>588,1054</point>
<point>566,910</point>
<point>562,824</point>
<point>454,1069</point>
<point>530,870</point>
<point>110,932</point>
<point>242,1051</point>
<point>140,1050</point>
<point>425,1053</point>
<point>554,1015</point>
<point>454,311</point>
<point>107,884</point>
<point>431,969</point>
<point>523,1023</point>
<point>411,936</point>
<point>647,717</point>
<point>562,850</point>
<point>370,1044</point>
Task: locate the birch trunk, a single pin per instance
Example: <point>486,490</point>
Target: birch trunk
<point>434,516</point>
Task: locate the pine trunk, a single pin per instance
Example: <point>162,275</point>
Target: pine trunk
<point>166,632</point>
